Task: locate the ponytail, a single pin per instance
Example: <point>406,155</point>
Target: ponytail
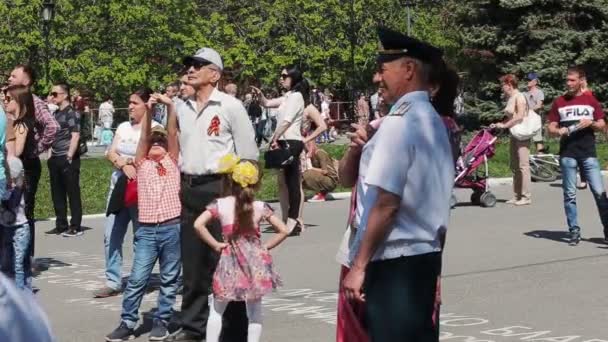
<point>243,208</point>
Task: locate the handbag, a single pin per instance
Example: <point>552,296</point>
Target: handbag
<point>82,147</point>
<point>278,158</point>
<point>131,193</point>
<point>528,127</point>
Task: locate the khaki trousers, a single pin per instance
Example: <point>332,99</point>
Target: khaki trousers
<point>318,182</point>
<point>520,166</point>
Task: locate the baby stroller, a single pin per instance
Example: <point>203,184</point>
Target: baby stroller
<point>479,150</point>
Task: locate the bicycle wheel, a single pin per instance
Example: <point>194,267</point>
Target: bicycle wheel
<point>542,173</point>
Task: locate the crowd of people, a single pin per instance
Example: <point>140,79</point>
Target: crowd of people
<point>186,169</point>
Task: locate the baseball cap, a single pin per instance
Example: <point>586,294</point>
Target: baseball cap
<point>532,76</point>
<point>206,55</point>
<point>159,129</point>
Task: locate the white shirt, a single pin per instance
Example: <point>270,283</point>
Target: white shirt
<point>106,112</point>
<point>409,156</point>
<point>15,194</point>
<point>208,134</point>
<point>128,138</point>
<point>374,101</point>
<point>292,111</point>
<point>325,109</point>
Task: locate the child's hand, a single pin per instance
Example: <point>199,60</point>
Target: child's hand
<point>220,246</point>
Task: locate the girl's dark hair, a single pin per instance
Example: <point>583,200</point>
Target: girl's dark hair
<point>24,98</point>
<point>298,82</point>
<point>144,93</point>
<point>243,207</point>
<point>447,80</point>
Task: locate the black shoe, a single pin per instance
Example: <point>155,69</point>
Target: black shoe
<point>72,232</point>
<point>56,231</point>
<point>159,331</point>
<point>575,238</point>
<point>122,333</point>
<point>184,336</point>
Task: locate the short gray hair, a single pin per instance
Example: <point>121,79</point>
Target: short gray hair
<point>423,68</point>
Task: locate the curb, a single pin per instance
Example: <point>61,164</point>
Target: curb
<point>336,195</point>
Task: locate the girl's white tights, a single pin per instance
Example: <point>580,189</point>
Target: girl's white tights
<point>214,323</point>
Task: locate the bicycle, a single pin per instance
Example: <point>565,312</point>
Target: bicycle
<point>544,167</point>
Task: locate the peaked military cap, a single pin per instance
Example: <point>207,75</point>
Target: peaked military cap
<point>395,45</point>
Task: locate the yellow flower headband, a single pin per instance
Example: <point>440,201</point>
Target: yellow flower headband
<point>244,173</point>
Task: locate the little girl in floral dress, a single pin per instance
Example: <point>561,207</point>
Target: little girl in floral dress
<point>244,271</point>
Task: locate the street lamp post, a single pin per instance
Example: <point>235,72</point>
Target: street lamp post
<point>408,8</point>
<point>47,14</point>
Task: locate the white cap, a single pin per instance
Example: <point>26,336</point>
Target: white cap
<point>206,55</point>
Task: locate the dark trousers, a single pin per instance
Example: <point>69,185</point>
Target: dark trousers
<point>199,262</point>
<point>65,185</point>
<point>293,179</point>
<point>32,170</point>
<point>259,132</point>
<point>400,298</point>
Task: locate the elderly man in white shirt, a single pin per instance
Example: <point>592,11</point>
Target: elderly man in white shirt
<point>212,125</point>
<point>406,179</point>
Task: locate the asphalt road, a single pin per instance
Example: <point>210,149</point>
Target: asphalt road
<point>509,275</point>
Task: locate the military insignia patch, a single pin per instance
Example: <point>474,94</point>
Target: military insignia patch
<point>400,110</point>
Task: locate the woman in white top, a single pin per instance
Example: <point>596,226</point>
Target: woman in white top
<point>515,111</point>
<point>121,154</point>
<point>289,133</point>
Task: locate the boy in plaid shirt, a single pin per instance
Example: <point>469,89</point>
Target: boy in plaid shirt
<point>158,235</point>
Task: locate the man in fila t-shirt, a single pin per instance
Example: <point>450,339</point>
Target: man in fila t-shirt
<point>575,117</point>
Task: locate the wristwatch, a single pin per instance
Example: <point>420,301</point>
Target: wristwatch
<point>129,161</point>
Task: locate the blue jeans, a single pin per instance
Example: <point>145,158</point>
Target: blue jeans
<point>15,255</point>
<point>590,167</point>
<point>116,228</point>
<point>153,242</point>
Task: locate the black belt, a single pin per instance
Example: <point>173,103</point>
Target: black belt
<point>174,220</point>
<point>194,180</point>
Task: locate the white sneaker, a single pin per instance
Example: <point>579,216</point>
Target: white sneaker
<point>523,201</point>
<point>513,200</point>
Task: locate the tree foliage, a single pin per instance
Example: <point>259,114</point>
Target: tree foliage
<point>110,47</point>
<point>521,36</point>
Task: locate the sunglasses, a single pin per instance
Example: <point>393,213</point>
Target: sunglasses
<point>7,98</point>
<point>55,94</point>
<point>284,76</point>
<point>197,65</point>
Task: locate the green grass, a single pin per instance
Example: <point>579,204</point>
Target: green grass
<point>95,178</point>
<point>499,164</point>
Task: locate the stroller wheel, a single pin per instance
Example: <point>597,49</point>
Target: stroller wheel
<point>488,200</point>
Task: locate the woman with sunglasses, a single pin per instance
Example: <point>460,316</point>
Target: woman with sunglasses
<point>122,156</point>
<point>289,135</point>
<point>20,110</point>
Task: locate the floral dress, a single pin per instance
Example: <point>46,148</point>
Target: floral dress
<point>244,271</point>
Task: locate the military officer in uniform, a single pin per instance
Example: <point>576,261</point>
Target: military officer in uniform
<point>405,183</point>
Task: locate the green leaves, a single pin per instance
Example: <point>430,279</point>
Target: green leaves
<point>521,36</point>
<point>114,46</point>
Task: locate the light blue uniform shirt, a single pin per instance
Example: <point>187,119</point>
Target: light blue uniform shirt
<point>410,156</point>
